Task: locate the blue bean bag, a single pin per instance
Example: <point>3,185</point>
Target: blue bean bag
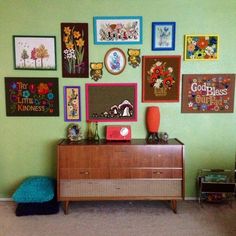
<point>35,189</point>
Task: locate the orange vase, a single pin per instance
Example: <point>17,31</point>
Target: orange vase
<point>153,122</point>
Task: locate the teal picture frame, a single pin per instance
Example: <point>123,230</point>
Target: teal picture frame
<point>115,30</point>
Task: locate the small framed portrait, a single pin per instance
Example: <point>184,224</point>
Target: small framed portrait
<point>115,61</point>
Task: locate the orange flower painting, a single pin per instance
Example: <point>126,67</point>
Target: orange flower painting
<point>201,47</point>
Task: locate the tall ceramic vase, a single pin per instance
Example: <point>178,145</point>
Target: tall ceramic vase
<point>153,123</point>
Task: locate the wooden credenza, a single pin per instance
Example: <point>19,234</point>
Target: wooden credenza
<point>134,170</point>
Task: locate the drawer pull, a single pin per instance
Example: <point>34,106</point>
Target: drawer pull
<point>157,172</point>
<point>84,172</point>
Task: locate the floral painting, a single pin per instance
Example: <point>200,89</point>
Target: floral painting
<point>31,96</point>
<point>201,47</point>
<point>208,93</point>
<point>34,52</point>
<point>111,102</point>
<point>163,36</point>
<point>115,61</point>
<point>75,61</point>
<point>72,103</point>
<point>118,30</point>
<point>160,78</point>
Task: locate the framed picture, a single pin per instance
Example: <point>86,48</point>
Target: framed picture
<point>31,96</point>
<point>201,47</point>
<point>34,52</point>
<point>160,78</point>
<point>111,102</point>
<point>208,93</point>
<point>115,61</point>
<point>117,30</point>
<point>74,44</point>
<point>72,103</point>
<point>163,36</point>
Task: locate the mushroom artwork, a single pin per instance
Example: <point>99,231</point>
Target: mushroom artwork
<point>126,108</point>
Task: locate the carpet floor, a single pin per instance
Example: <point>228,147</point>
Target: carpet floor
<point>124,218</point>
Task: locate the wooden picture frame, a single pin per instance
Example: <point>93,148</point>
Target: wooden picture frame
<point>34,52</point>
<point>163,36</point>
<point>160,78</point>
<point>208,93</point>
<point>111,102</point>
<point>75,50</point>
<point>201,47</point>
<point>72,103</point>
<point>115,61</point>
<point>117,29</point>
<point>34,96</point>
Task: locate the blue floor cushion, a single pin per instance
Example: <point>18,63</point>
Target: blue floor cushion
<point>35,189</point>
<point>35,208</point>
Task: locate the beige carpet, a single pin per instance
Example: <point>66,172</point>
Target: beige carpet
<point>152,218</point>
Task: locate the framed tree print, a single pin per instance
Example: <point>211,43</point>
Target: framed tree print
<point>117,29</point>
<point>72,103</point>
<point>111,102</point>
<point>75,57</point>
<point>34,52</point>
<point>31,96</point>
<point>201,47</point>
<point>160,78</point>
<point>208,93</point>
<point>163,36</point>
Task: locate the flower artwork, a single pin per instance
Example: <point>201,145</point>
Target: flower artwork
<point>201,47</point>
<point>34,52</point>
<point>160,78</point>
<point>118,30</point>
<point>115,61</point>
<point>111,102</point>
<point>74,38</point>
<point>163,36</point>
<point>72,111</point>
<point>208,93</point>
<point>31,96</point>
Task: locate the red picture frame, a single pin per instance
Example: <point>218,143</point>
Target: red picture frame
<point>111,102</point>
<point>160,78</point>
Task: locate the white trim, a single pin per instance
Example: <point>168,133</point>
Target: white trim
<point>6,199</point>
<point>190,198</point>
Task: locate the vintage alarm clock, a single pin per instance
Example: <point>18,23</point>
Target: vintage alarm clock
<point>118,132</point>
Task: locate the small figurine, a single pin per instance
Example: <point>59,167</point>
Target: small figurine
<point>134,57</point>
<point>74,132</point>
<point>96,70</point>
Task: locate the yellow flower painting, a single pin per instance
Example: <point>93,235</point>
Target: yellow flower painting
<point>74,49</point>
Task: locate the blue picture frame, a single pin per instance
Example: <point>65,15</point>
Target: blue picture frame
<point>114,30</point>
<point>163,36</point>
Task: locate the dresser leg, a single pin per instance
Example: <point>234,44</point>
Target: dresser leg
<point>66,205</point>
<point>174,205</point>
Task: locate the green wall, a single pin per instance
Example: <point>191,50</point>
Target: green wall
<point>28,144</point>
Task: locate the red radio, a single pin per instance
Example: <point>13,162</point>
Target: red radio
<point>118,132</point>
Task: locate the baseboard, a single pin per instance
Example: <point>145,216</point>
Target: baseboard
<point>6,199</point>
<point>190,198</point>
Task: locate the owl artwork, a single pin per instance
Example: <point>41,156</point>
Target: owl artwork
<point>134,57</point>
<point>96,70</point>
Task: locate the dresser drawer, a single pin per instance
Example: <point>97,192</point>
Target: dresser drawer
<point>84,173</point>
<point>166,157</point>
